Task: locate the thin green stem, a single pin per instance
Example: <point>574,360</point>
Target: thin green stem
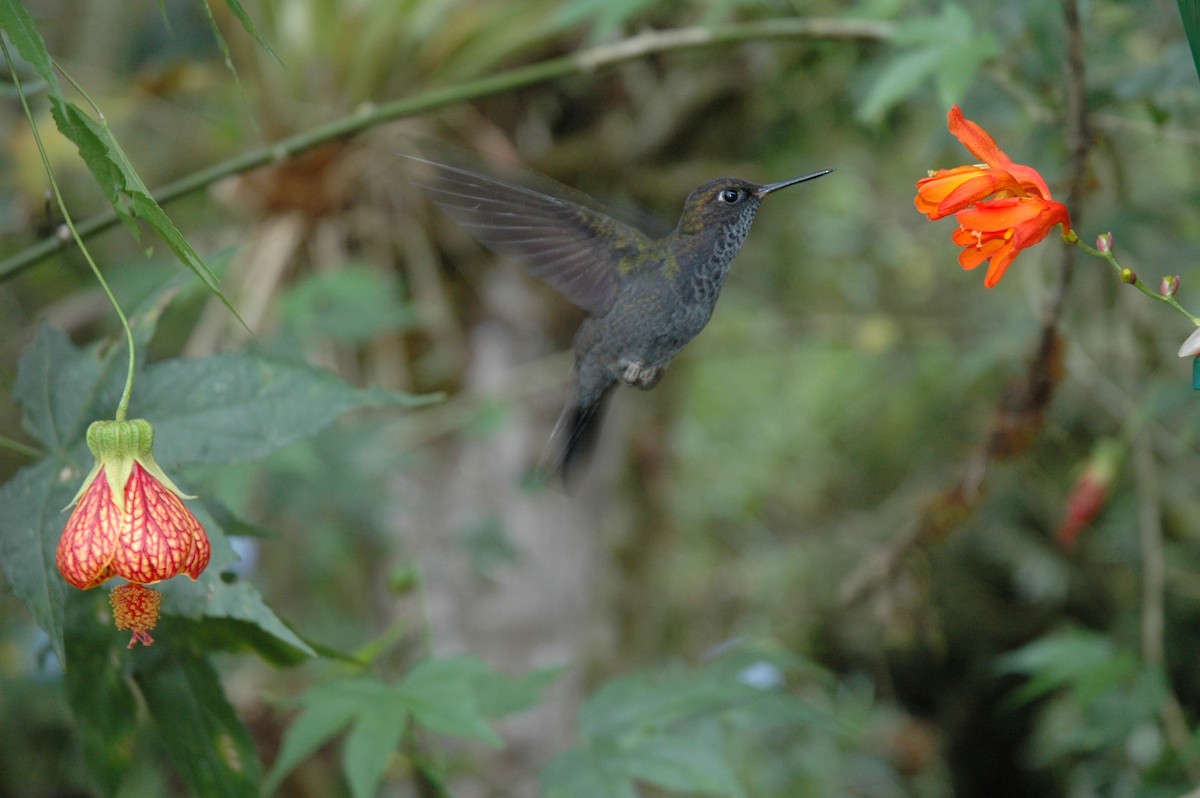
<point>87,97</point>
<point>1130,276</point>
<point>584,61</point>
<point>123,405</point>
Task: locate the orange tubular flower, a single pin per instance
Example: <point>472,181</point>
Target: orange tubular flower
<point>1002,207</point>
<point>129,518</point>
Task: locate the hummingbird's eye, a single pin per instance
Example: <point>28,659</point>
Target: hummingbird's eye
<point>730,195</point>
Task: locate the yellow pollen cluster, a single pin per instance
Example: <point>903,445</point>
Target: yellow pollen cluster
<point>135,607</point>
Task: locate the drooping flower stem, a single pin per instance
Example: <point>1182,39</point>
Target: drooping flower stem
<point>1130,277</point>
<point>123,405</point>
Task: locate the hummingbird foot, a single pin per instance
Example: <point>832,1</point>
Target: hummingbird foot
<point>639,376</point>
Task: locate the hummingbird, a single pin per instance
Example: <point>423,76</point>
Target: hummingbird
<point>646,297</point>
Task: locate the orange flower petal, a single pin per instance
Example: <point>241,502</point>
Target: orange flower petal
<point>976,254</point>
<point>951,190</point>
<point>999,265</point>
<point>160,535</point>
<point>89,540</point>
<point>976,139</point>
<point>978,189</point>
<point>984,147</point>
<point>1001,214</point>
<point>1030,179</point>
<point>935,188</point>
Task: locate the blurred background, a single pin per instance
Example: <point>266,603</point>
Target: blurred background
<point>816,475</point>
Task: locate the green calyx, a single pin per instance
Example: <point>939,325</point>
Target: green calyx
<point>117,445</point>
<point>110,440</point>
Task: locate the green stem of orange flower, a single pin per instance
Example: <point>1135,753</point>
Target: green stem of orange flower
<point>123,405</point>
<point>1129,276</point>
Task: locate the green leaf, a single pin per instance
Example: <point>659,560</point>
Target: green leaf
<point>20,29</point>
<point>588,772</point>
<point>237,407</point>
<point>899,79</point>
<point>211,597</point>
<point>439,695</point>
<point>671,729</point>
<point>1189,11</point>
<point>98,691</point>
<point>371,744</point>
<point>31,506</point>
<point>328,709</point>
<point>60,387</point>
<point>119,181</point>
<point>452,696</point>
<point>208,744</point>
<point>235,636</point>
<point>1083,661</point>
<point>947,48</point>
<point>658,701</point>
<point>498,695</point>
<point>248,24</point>
<point>689,760</point>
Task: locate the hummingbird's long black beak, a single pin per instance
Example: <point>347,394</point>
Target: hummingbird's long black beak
<point>769,187</point>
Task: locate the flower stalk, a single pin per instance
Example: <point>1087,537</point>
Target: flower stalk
<point>1127,275</point>
<point>123,404</point>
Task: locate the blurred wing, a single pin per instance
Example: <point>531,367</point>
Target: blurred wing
<point>574,248</point>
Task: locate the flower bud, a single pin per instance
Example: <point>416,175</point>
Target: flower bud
<point>1169,285</point>
<point>1104,242</point>
<point>1128,276</point>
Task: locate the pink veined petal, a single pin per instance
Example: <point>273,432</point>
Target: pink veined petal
<point>160,534</point>
<point>89,540</point>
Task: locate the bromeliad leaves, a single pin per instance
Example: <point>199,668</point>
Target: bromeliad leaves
<point>99,149</point>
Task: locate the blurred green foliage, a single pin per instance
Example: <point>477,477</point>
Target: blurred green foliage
<point>766,630</point>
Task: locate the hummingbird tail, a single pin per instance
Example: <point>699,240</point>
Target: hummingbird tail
<point>575,435</point>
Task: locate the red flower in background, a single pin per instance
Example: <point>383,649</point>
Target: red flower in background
<point>1090,492</point>
<point>1002,207</point>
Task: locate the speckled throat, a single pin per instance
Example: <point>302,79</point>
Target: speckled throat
<point>702,282</point>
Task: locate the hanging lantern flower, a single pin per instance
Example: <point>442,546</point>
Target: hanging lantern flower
<point>129,521</point>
